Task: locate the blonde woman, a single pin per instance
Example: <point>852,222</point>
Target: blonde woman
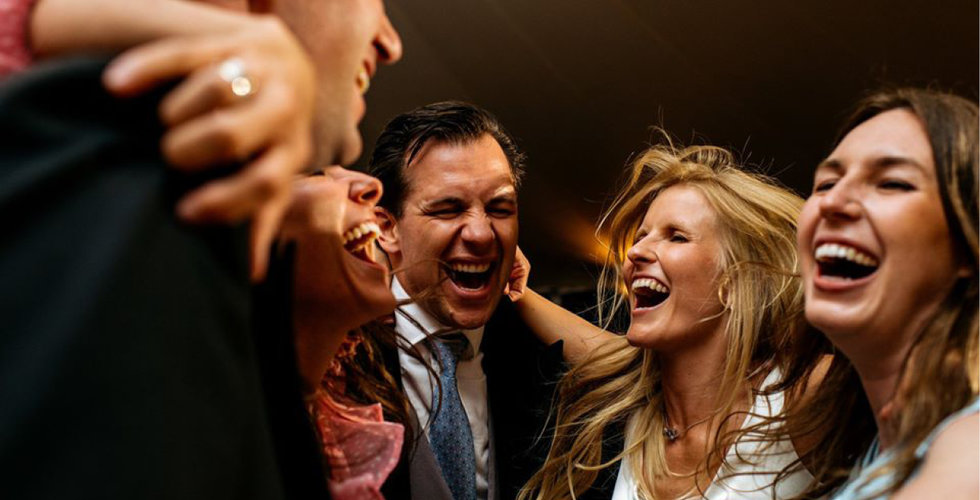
<point>703,255</point>
<point>888,249</point>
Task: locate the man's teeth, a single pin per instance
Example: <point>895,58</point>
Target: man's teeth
<point>363,80</point>
<point>651,284</point>
<point>470,268</point>
<point>369,229</point>
<point>846,252</point>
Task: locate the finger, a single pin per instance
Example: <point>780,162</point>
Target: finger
<point>145,66</point>
<point>265,225</point>
<point>233,198</point>
<point>228,134</point>
<point>204,90</point>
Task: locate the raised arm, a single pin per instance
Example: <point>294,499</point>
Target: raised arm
<point>549,321</point>
<point>266,126</point>
<point>60,27</point>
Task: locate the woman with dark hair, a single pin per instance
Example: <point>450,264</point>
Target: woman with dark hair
<point>888,251</point>
<point>339,285</point>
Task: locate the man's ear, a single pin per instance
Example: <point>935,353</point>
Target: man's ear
<point>389,231</point>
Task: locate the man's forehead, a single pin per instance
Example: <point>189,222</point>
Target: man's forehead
<point>474,167</point>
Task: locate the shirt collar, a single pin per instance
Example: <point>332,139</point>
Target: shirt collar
<point>411,332</point>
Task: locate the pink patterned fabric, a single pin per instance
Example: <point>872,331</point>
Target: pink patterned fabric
<point>15,54</point>
<point>361,448</point>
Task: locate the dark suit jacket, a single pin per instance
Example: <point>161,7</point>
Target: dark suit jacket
<point>521,376</point>
<point>127,365</point>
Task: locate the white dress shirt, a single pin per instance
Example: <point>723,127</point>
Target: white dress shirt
<point>470,379</point>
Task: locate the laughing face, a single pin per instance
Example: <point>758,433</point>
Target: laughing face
<point>672,271</point>
<point>347,40</point>
<point>331,219</point>
<point>875,248</point>
<point>455,240</point>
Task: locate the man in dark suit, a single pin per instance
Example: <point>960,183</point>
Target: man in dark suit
<point>128,369</point>
<point>128,359</point>
<point>477,381</point>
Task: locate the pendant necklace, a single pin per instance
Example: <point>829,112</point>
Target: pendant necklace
<point>672,434</point>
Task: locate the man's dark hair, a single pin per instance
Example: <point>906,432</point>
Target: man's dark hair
<point>452,122</point>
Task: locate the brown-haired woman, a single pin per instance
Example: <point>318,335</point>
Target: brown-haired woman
<point>703,256</point>
<point>339,285</point>
<point>888,250</point>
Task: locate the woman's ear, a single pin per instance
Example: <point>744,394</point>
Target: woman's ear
<point>389,231</point>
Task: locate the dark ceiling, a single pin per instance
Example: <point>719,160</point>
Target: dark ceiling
<point>580,83</point>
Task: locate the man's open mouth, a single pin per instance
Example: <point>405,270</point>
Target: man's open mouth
<point>359,240</point>
<point>649,292</point>
<point>844,262</point>
<point>470,276</point>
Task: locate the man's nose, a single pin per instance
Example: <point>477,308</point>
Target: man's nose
<point>478,230</point>
<point>388,43</point>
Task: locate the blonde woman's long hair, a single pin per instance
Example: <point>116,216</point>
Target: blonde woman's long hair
<point>618,388</point>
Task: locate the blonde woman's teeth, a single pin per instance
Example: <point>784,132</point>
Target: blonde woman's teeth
<point>652,284</point>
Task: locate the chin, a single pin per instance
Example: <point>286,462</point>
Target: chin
<point>637,340</point>
<point>330,148</point>
<point>351,150</point>
<point>470,322</point>
<point>469,318</point>
<point>380,303</point>
<point>830,322</point>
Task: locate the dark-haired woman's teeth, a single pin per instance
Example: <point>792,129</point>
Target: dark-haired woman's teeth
<point>829,251</point>
<point>370,229</point>
<point>649,283</point>
<point>359,240</point>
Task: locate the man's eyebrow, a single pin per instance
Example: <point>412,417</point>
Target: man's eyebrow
<point>448,200</point>
<point>510,197</point>
<point>505,192</point>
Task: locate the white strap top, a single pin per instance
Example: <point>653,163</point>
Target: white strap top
<point>752,464</point>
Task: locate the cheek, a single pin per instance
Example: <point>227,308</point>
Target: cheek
<point>506,231</point>
<point>429,240</point>
<point>806,223</point>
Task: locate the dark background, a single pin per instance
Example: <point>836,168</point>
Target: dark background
<point>580,83</point>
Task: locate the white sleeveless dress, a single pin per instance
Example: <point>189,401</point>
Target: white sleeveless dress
<point>748,454</point>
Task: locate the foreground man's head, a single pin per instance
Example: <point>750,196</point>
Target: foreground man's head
<point>347,40</point>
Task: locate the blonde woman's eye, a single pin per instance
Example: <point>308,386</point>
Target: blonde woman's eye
<point>679,238</point>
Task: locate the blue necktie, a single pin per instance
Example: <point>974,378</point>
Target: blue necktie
<point>449,434</point>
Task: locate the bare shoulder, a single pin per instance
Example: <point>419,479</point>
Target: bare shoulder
<point>951,469</point>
